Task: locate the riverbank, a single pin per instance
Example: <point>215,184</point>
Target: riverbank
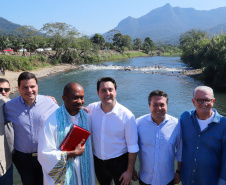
<point>12,76</point>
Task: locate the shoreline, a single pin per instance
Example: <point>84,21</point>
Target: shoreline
<point>12,76</point>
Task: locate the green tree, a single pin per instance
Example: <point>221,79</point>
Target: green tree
<point>117,41</point>
<point>87,49</point>
<point>5,42</point>
<point>61,36</point>
<point>16,42</point>
<point>25,32</point>
<point>99,40</point>
<point>137,43</point>
<point>127,42</point>
<point>110,34</point>
<point>191,46</point>
<point>148,45</point>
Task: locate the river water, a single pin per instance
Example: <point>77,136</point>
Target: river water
<point>135,79</point>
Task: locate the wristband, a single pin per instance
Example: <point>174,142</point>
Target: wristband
<point>177,171</point>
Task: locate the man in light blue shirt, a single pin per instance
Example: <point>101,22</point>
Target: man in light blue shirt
<point>204,141</point>
<point>159,139</point>
<point>28,112</point>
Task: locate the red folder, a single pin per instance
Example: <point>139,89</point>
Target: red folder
<point>74,137</point>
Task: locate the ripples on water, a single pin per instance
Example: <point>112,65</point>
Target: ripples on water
<point>135,78</point>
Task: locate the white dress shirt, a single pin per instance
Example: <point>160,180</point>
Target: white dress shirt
<point>158,147</point>
<point>113,133</point>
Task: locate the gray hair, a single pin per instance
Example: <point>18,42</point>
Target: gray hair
<point>203,88</point>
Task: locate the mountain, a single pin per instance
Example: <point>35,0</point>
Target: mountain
<point>167,23</point>
<point>7,27</point>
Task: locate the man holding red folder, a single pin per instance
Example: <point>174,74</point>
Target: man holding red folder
<point>114,135</point>
<point>66,167</point>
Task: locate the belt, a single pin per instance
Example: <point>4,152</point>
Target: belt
<point>26,154</point>
<point>34,154</point>
<point>121,157</point>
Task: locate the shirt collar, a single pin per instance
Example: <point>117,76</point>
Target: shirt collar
<point>167,118</point>
<point>36,100</point>
<point>114,110</point>
<point>216,118</point>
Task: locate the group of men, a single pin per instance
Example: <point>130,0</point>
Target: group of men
<point>197,140</point>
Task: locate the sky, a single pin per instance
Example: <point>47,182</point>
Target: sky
<point>90,16</point>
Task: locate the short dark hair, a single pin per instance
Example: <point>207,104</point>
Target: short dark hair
<point>26,76</point>
<point>2,80</point>
<point>105,79</point>
<point>157,93</point>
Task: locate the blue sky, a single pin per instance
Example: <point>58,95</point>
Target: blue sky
<point>90,16</point>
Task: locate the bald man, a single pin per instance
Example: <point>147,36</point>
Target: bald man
<point>72,167</point>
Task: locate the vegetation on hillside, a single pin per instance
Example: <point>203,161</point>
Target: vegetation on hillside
<point>69,47</point>
<point>200,51</point>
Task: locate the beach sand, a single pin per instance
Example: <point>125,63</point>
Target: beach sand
<point>12,76</point>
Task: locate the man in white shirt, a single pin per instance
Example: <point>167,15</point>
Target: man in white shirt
<point>159,139</point>
<point>114,135</point>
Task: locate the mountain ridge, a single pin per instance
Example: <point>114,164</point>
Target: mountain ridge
<point>167,21</point>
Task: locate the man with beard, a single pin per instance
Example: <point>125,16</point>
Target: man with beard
<point>66,167</point>
<point>114,135</point>
<point>28,112</point>
<point>204,141</point>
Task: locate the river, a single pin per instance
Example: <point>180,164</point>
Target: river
<point>135,79</point>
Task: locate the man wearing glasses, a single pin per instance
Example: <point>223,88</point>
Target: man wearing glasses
<point>204,141</point>
<point>4,87</point>
<point>6,138</point>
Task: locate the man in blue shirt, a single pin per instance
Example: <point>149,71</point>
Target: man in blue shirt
<point>204,141</point>
<point>159,139</point>
<point>28,112</point>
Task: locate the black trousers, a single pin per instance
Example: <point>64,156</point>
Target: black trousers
<point>106,170</point>
<point>142,183</point>
<point>29,168</point>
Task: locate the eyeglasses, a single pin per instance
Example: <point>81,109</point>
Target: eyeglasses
<point>5,89</point>
<point>201,101</point>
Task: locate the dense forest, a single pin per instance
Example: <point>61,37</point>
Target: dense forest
<point>208,53</point>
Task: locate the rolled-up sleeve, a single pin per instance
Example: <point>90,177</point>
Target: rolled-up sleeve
<point>131,135</point>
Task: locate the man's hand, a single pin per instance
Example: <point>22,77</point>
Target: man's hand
<point>177,178</point>
<point>78,151</point>
<point>134,175</point>
<point>85,109</point>
<point>126,178</point>
<point>52,99</point>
